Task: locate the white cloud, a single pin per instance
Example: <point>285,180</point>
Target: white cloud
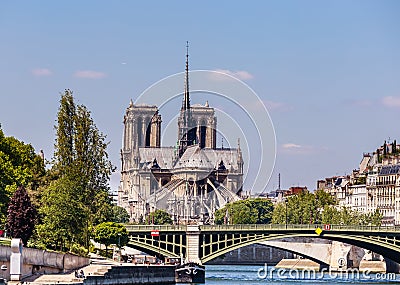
<point>41,72</point>
<point>391,101</point>
<point>90,74</point>
<point>219,74</point>
<point>291,146</point>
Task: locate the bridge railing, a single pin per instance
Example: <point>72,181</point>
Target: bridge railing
<point>149,228</point>
<point>246,227</point>
<point>263,227</point>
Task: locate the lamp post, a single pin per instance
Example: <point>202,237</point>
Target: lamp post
<point>286,222</point>
<point>119,247</point>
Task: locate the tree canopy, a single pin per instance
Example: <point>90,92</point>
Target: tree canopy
<point>108,233</point>
<point>22,215</point>
<point>77,198</point>
<point>119,214</point>
<point>159,217</point>
<point>319,208</point>
<point>19,166</point>
<point>249,211</point>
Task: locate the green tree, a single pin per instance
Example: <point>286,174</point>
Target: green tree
<point>159,217</point>
<point>330,215</point>
<point>21,216</point>
<point>249,211</point>
<point>303,208</point>
<point>119,214</point>
<point>63,216</point>
<point>264,208</point>
<point>81,169</point>
<point>279,213</point>
<point>346,216</point>
<point>65,132</point>
<point>108,233</point>
<point>19,166</point>
<point>324,198</point>
<point>375,218</point>
<point>384,148</point>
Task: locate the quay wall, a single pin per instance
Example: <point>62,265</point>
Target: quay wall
<point>62,261</point>
<point>163,274</point>
<point>36,261</point>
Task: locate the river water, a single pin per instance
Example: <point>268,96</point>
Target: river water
<point>257,275</point>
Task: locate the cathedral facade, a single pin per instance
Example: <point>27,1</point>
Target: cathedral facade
<point>190,180</point>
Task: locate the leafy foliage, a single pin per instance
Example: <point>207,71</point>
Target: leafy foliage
<point>303,208</point>
<point>249,211</point>
<point>19,166</point>
<point>21,218</point>
<point>77,199</point>
<point>108,233</point>
<point>346,216</point>
<point>63,216</point>
<point>119,215</point>
<point>319,208</point>
<point>159,217</point>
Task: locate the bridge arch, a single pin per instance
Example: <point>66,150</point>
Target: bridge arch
<point>154,250</point>
<point>321,255</point>
<point>376,245</point>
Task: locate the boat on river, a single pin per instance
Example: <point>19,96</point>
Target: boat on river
<point>190,273</point>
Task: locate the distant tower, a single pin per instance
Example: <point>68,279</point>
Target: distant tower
<point>142,128</point>
<point>41,154</point>
<point>279,181</point>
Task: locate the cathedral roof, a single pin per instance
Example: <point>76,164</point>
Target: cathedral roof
<point>228,156</point>
<point>208,158</point>
<point>163,155</point>
<point>194,157</point>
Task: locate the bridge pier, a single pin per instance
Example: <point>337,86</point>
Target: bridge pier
<point>192,244</point>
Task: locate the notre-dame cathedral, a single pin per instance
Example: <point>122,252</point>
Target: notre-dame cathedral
<point>190,180</point>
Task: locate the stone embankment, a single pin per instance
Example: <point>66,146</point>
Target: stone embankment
<point>306,264</point>
<point>373,266</point>
<point>35,261</point>
<point>109,272</point>
<point>298,264</point>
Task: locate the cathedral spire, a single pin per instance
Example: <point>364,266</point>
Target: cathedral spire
<point>186,131</point>
<point>186,97</point>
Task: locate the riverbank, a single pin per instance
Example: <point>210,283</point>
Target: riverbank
<point>298,264</point>
<point>108,272</point>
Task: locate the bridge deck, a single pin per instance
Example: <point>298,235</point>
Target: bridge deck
<point>263,227</point>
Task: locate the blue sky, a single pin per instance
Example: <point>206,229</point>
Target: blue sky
<point>328,72</point>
